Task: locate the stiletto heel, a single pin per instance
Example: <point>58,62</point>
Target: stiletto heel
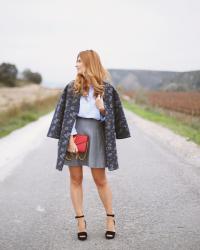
<point>81,235</point>
<point>110,234</point>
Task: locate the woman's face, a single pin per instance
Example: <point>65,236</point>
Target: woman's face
<point>80,66</point>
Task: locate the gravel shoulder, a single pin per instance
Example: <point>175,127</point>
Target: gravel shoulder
<point>179,145</point>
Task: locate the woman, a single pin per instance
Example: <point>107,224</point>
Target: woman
<point>91,106</point>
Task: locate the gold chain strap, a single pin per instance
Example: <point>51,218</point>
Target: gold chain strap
<point>77,154</point>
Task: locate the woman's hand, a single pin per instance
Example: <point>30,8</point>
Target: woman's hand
<point>72,145</point>
<point>99,103</point>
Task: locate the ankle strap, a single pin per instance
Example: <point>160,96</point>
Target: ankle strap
<point>111,215</point>
<point>79,216</point>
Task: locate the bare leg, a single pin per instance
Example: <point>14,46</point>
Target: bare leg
<point>76,192</point>
<point>105,194</point>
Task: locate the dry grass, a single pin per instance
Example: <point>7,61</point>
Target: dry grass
<point>20,105</point>
<point>21,96</point>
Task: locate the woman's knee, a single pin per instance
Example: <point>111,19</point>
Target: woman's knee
<point>76,179</point>
<point>100,182</point>
<point>76,176</point>
<point>99,177</point>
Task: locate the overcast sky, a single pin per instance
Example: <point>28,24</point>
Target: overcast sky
<point>46,35</point>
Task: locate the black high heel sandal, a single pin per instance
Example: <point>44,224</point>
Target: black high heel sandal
<point>110,234</point>
<point>81,235</point>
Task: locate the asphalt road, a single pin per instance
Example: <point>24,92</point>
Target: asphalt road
<point>156,200</point>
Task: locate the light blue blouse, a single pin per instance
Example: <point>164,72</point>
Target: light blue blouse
<point>88,108</point>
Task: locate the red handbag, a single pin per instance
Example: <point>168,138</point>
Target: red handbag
<point>81,142</point>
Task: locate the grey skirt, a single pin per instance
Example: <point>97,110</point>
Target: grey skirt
<point>95,157</point>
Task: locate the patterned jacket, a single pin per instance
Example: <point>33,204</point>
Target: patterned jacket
<point>115,124</point>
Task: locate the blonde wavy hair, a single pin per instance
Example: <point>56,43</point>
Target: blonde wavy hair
<point>94,73</point>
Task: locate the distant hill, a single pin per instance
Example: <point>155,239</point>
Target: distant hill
<point>156,80</point>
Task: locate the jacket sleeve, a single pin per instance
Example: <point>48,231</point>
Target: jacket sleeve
<point>121,125</point>
<point>57,120</point>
